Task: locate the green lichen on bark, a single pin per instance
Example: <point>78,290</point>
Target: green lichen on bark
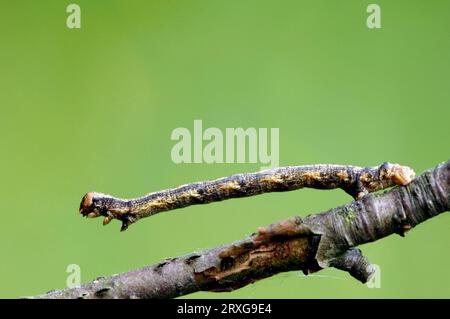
<point>349,214</point>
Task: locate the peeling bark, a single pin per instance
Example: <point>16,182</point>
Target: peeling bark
<point>316,242</point>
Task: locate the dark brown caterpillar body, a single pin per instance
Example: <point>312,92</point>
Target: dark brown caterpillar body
<point>356,181</point>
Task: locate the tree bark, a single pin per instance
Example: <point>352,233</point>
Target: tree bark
<point>318,241</point>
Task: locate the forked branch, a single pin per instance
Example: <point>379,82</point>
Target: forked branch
<point>318,241</point>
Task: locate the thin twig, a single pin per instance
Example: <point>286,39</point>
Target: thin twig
<point>316,242</point>
<point>356,181</point>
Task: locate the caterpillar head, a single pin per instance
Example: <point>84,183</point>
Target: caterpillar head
<point>91,205</point>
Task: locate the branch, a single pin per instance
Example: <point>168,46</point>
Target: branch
<point>316,242</point>
<point>356,181</point>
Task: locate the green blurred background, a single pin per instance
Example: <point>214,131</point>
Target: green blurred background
<point>93,109</point>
